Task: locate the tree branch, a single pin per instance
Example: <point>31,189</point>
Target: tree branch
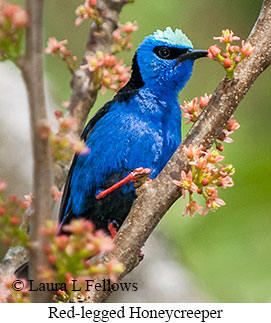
<point>156,197</point>
<point>32,70</point>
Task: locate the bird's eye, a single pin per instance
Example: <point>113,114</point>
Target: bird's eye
<point>169,52</point>
<point>164,52</point>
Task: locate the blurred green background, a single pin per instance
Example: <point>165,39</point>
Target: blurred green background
<point>229,251</point>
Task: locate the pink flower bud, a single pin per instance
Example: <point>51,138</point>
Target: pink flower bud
<point>62,242</point>
<point>129,46</point>
<point>9,10</point>
<point>191,208</point>
<point>220,147</point>
<point>233,49</point>
<point>247,49</point>
<point>130,27</point>
<point>53,46</point>
<point>80,148</point>
<point>19,19</point>
<point>92,3</point>
<point>110,60</point>
<point>76,226</point>
<point>56,193</point>
<point>227,63</point>
<point>58,114</point>
<point>14,221</point>
<point>232,125</point>
<point>49,229</point>
<point>204,100</point>
<point>227,36</point>
<point>25,204</point>
<point>3,186</point>
<point>222,135</point>
<point>205,182</point>
<point>52,259</point>
<point>66,104</point>
<point>213,156</point>
<point>192,152</point>
<point>47,249</point>
<point>13,198</point>
<point>67,124</point>
<point>213,51</point>
<point>16,14</point>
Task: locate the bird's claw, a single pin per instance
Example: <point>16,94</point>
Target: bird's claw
<point>112,228</point>
<point>140,171</point>
<point>140,175</point>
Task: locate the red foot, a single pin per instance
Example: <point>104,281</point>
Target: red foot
<point>132,177</point>
<point>112,229</point>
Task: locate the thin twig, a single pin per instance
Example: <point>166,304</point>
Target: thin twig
<point>156,197</point>
<point>32,70</point>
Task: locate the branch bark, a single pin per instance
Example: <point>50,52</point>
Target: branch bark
<point>156,197</point>
<point>32,70</point>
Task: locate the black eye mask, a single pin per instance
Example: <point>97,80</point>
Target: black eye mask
<point>169,52</point>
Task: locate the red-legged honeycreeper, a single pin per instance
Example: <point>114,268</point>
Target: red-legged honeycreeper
<point>140,127</point>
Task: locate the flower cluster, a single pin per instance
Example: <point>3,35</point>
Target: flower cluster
<point>204,178</point>
<point>70,254</point>
<point>88,11</point>
<point>108,73</point>
<point>13,20</point>
<point>65,143</point>
<point>9,295</point>
<point>233,54</point>
<point>192,109</point>
<point>12,210</point>
<point>59,48</point>
<point>122,36</point>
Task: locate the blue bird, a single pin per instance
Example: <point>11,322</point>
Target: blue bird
<point>140,127</point>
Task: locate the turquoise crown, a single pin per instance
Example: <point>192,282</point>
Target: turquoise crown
<point>176,37</point>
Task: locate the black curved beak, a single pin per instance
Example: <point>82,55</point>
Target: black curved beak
<point>193,55</point>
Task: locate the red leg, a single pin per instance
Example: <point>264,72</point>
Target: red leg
<point>135,175</point>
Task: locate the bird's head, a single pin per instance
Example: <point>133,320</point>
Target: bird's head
<point>165,60</point>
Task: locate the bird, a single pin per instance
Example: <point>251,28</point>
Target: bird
<point>132,135</point>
